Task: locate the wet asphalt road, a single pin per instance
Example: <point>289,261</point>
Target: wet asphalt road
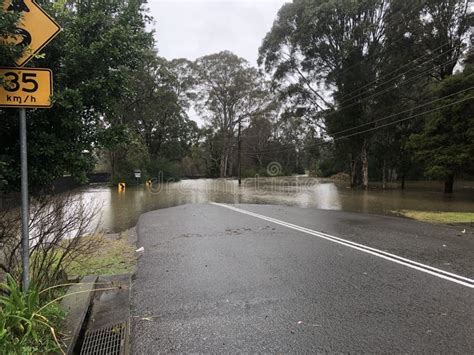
<point>217,280</point>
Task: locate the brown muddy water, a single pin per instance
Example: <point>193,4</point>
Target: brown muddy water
<point>121,210</point>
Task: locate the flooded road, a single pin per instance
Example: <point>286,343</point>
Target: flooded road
<point>121,210</point>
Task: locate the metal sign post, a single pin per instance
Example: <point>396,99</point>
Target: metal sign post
<point>138,175</point>
<point>25,207</point>
<point>27,87</point>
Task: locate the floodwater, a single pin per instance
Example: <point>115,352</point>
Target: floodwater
<point>121,210</point>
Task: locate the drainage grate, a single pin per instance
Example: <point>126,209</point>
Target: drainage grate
<point>109,340</point>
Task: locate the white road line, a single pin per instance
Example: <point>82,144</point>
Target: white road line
<point>461,280</point>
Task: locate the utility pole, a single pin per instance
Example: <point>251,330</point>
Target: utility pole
<point>239,148</point>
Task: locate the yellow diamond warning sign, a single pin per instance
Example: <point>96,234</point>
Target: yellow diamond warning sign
<point>35,28</point>
<point>26,87</point>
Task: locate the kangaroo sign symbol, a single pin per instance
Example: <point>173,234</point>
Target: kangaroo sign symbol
<point>27,87</point>
<point>35,29</point>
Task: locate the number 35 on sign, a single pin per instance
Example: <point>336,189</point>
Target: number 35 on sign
<point>26,87</point>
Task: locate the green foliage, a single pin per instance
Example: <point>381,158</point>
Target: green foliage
<point>164,170</point>
<point>3,181</point>
<point>102,42</point>
<point>154,131</point>
<point>154,111</point>
<point>446,144</point>
<point>375,58</point>
<point>337,67</point>
<point>8,21</point>
<point>27,320</point>
<point>327,167</point>
<point>197,163</point>
<point>328,43</point>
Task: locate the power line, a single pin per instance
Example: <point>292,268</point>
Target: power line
<point>399,75</point>
<point>388,89</point>
<point>373,128</point>
<point>396,114</point>
<point>359,62</point>
<point>420,75</point>
<point>406,118</point>
<point>417,76</point>
<point>380,119</point>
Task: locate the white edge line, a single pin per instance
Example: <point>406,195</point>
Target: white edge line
<point>326,236</point>
<point>376,252</point>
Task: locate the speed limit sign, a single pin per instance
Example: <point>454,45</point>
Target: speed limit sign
<point>26,87</point>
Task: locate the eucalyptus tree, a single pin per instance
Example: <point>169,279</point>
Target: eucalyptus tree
<point>184,80</point>
<point>424,41</point>
<point>320,52</point>
<point>446,143</point>
<point>446,26</point>
<point>399,87</point>
<point>229,91</point>
<point>348,63</point>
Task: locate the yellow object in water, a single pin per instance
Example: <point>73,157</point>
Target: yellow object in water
<point>121,186</point>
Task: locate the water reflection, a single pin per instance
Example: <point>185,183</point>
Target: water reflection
<point>121,210</point>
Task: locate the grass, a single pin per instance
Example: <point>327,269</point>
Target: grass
<point>113,256</point>
<point>30,321</point>
<point>439,217</point>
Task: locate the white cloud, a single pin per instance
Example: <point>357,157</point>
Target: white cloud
<point>193,28</point>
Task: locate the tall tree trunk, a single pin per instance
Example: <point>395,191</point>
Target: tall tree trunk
<point>226,160</point>
<point>222,165</point>
<point>403,182</point>
<point>365,166</point>
<point>448,184</point>
<point>239,154</point>
<point>353,173</point>
<point>230,165</point>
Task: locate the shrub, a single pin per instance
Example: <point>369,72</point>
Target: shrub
<point>27,320</point>
<point>57,226</point>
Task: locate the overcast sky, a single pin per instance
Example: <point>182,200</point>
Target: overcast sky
<point>193,28</point>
